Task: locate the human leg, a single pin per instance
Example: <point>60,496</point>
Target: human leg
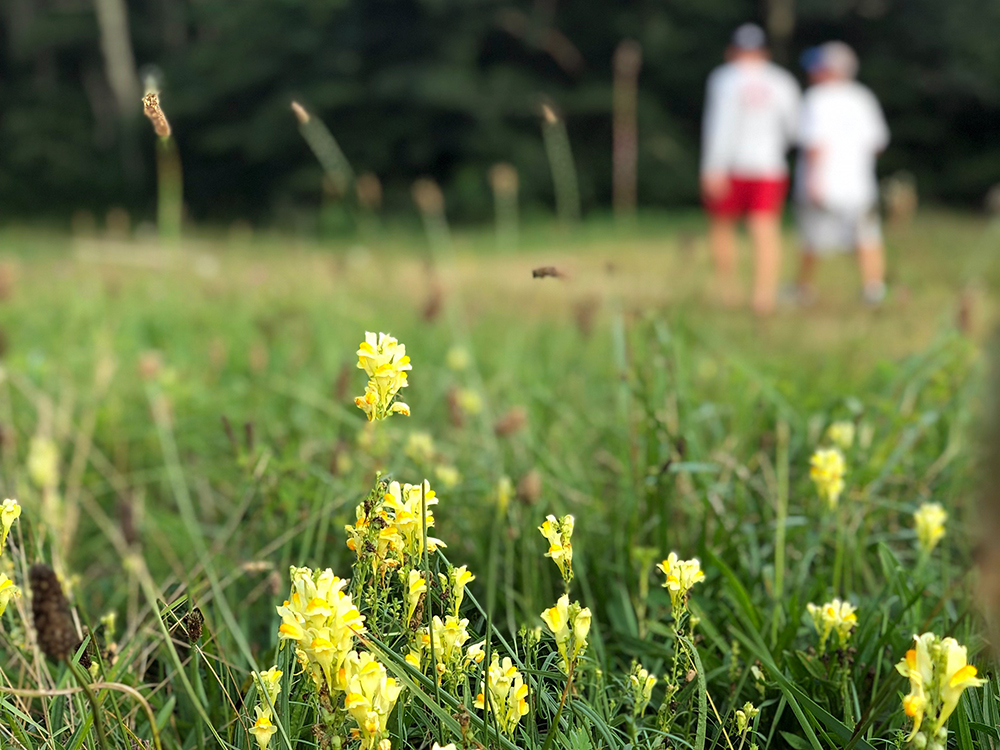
<point>765,233</point>
<point>722,241</point>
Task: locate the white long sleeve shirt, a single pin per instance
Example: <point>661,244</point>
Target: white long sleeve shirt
<point>843,122</point>
<point>751,120</point>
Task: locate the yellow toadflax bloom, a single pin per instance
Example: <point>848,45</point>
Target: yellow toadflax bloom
<point>8,591</point>
<point>508,694</point>
<point>569,624</point>
<point>929,521</point>
<point>263,729</point>
<point>641,682</point>
<point>841,434</point>
<point>322,621</point>
<point>9,512</point>
<point>371,695</point>
<point>559,533</point>
<point>681,575</point>
<point>460,578</point>
<point>827,468</point>
<point>386,362</point>
<point>834,616</point>
<point>939,672</point>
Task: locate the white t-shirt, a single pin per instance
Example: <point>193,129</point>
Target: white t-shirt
<point>844,122</point>
<point>751,119</point>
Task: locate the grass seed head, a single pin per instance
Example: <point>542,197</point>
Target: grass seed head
<point>151,108</point>
<point>53,622</point>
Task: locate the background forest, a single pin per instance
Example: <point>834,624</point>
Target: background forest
<point>446,88</point>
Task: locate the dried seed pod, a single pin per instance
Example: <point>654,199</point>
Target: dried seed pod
<point>192,625</point>
<point>151,108</point>
<point>53,622</point>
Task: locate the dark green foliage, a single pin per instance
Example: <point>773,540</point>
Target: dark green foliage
<point>447,88</point>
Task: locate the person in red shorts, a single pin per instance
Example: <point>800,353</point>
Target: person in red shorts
<point>751,118</point>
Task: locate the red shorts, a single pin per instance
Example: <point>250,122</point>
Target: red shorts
<point>766,196</point>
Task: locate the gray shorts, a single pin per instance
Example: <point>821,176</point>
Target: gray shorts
<point>825,231</point>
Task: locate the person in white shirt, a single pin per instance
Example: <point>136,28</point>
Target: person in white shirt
<point>842,131</point>
<point>751,117</point>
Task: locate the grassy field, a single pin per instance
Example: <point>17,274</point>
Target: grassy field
<point>178,425</point>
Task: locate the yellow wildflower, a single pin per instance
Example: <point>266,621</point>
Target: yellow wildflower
<point>470,401</point>
<point>841,434</point>
<point>416,586</point>
<point>386,362</point>
<point>929,521</point>
<point>834,616</point>
<point>681,575</point>
<point>10,510</point>
<point>570,624</point>
<point>744,716</point>
<point>939,672</point>
<point>420,447</point>
<point>956,676</point>
<point>827,468</point>
<point>323,621</point>
<point>559,533</point>
<point>476,652</point>
<point>460,578</point>
<point>8,591</point>
<point>641,682</point>
<point>447,475</point>
<point>458,358</point>
<point>508,694</point>
<point>269,682</point>
<point>43,462</point>
<point>404,505</point>
<point>371,695</point>
<point>263,729</point>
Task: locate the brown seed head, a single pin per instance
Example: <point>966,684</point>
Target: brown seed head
<point>50,611</point>
<point>628,58</point>
<point>503,179</point>
<point>151,108</point>
<point>428,197</point>
<point>369,191</point>
<point>300,113</point>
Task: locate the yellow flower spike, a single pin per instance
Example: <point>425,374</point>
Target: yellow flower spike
<point>827,468</point>
<point>43,462</point>
<point>939,672</point>
<point>386,362</point>
<point>269,682</point>
<point>559,533</point>
<point>681,576</point>
<point>835,616</point>
<point>641,682</point>
<point>841,434</point>
<point>8,591</point>
<point>10,511</point>
<point>415,588</point>
<point>458,358</point>
<point>460,578</point>
<point>420,447</point>
<point>449,746</point>
<point>263,729</point>
<point>371,696</point>
<point>957,675</point>
<point>745,716</point>
<point>448,476</point>
<point>929,520</point>
<point>508,694</point>
<point>569,625</point>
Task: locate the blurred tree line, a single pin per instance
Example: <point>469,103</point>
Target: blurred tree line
<point>447,88</point>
